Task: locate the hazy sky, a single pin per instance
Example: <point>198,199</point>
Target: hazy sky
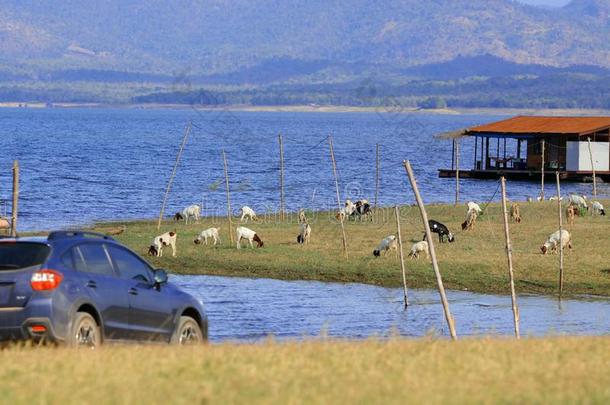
<point>547,2</point>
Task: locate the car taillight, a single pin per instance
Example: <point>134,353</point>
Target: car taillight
<point>46,280</point>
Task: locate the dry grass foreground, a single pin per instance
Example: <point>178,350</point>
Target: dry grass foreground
<point>549,370</point>
<point>476,261</point>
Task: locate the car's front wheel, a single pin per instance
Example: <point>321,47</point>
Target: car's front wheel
<point>188,332</point>
<point>85,332</point>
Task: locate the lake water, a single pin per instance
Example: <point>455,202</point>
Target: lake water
<point>85,165</point>
<point>242,309</point>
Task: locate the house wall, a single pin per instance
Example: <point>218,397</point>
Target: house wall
<point>578,158</point>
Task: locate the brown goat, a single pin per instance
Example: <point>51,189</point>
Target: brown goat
<point>515,213</point>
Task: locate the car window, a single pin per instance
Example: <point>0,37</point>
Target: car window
<point>22,254</point>
<point>73,259</point>
<point>95,257</point>
<point>130,266</point>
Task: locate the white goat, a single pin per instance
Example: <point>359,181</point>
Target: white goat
<point>247,212</point>
<point>208,233</point>
<point>350,207</point>
<point>474,206</point>
<point>598,208</point>
<point>418,248</point>
<point>578,200</point>
<point>245,233</point>
<point>386,244</point>
<point>305,233</point>
<point>166,239</point>
<point>192,211</point>
<point>553,241</point>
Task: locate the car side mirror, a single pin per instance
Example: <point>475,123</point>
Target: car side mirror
<point>160,277</point>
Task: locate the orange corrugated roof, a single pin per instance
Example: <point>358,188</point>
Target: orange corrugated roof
<point>545,125</point>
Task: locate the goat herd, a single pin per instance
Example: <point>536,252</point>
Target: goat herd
<point>361,209</point>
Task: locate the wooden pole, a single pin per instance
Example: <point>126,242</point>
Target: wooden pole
<point>457,172</point>
<point>376,176</point>
<point>509,256</point>
<point>15,209</point>
<point>402,258</point>
<point>542,177</point>
<point>593,170</point>
<point>282,206</point>
<point>224,158</point>
<point>560,235</point>
<point>171,177</point>
<point>439,279</point>
<point>341,219</point>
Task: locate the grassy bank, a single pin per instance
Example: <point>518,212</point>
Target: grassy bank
<point>476,261</point>
<point>550,370</point>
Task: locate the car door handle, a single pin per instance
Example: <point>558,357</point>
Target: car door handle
<point>91,284</point>
<point>133,291</point>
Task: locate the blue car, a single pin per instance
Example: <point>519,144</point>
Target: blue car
<point>84,289</point>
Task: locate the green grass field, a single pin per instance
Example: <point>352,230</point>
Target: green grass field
<point>475,262</point>
<point>549,370</point>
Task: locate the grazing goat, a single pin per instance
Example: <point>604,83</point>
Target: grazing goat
<point>362,209</point>
<point>474,206</point>
<point>579,201</point>
<point>571,213</point>
<point>553,240</point>
<point>598,208</point>
<point>515,213</point>
<point>350,207</point>
<point>418,248</point>
<point>441,230</point>
<point>208,233</point>
<point>247,213</point>
<point>471,218</point>
<point>340,215</point>
<point>302,217</point>
<point>386,244</point>
<point>250,235</point>
<point>305,234</point>
<point>192,211</point>
<point>555,198</point>
<point>166,239</point>
<point>4,223</point>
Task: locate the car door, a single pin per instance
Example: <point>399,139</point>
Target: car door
<point>99,281</point>
<point>151,312</point>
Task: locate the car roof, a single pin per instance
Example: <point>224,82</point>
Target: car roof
<point>60,236</point>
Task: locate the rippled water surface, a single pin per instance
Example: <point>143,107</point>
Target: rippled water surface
<point>250,309</point>
<point>82,165</point>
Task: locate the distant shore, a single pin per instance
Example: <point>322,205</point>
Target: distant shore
<point>317,109</point>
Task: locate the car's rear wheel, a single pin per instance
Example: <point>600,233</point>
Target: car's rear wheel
<point>85,332</point>
<point>188,332</point>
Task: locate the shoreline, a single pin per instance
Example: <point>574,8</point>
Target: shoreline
<point>312,109</point>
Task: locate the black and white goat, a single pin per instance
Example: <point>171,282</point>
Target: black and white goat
<point>441,230</point>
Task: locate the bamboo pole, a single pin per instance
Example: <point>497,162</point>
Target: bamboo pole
<point>171,177</point>
<point>376,175</point>
<point>542,177</point>
<point>282,206</point>
<point>509,256</point>
<point>224,159</point>
<point>15,208</point>
<point>341,219</point>
<point>457,172</point>
<point>593,170</point>
<point>402,258</point>
<point>560,235</point>
<point>439,279</point>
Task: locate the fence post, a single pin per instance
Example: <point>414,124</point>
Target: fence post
<point>15,209</point>
<point>593,170</point>
<point>332,156</point>
<point>542,177</point>
<point>439,279</point>
<point>171,177</point>
<point>457,172</point>
<point>560,235</point>
<point>282,207</point>
<point>402,258</point>
<point>509,256</point>
<point>224,158</point>
<point>376,175</point>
